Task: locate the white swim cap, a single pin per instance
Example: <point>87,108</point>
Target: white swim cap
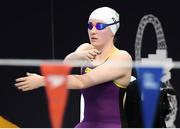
<point>108,15</point>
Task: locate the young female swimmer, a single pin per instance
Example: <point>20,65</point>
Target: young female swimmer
<point>102,85</point>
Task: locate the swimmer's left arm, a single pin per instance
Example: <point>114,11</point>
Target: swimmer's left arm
<point>100,74</point>
<point>103,73</point>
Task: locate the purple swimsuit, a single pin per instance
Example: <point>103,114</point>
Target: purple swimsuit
<point>103,106</point>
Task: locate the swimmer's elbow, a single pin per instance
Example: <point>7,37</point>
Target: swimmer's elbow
<point>76,82</point>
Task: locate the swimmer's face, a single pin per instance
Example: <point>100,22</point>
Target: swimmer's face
<point>98,33</point>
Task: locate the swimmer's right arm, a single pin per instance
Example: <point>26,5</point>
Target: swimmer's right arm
<point>85,51</point>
